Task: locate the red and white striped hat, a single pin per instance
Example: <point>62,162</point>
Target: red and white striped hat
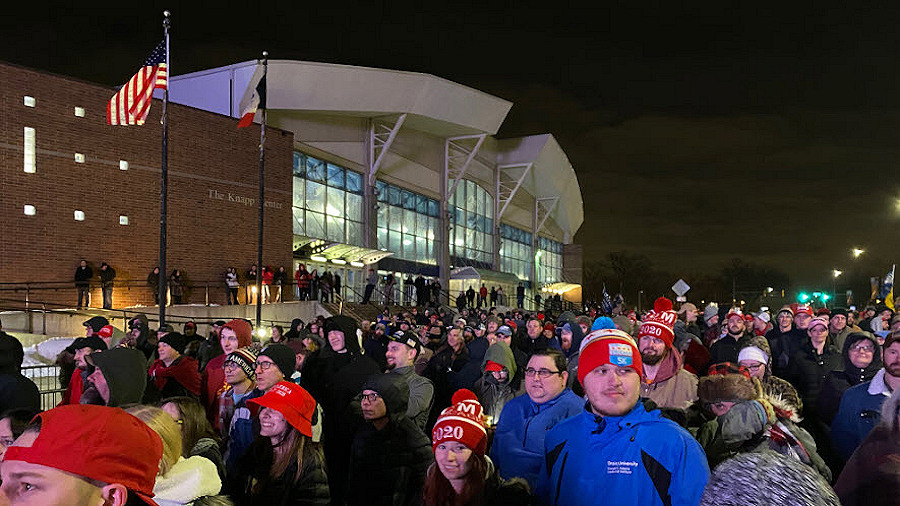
<point>462,422</point>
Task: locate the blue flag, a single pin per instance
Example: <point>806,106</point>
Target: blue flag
<point>606,305</point>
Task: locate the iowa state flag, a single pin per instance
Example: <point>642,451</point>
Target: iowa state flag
<point>254,98</point>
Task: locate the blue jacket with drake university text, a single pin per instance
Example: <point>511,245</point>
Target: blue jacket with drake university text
<point>640,458</point>
<point>518,447</point>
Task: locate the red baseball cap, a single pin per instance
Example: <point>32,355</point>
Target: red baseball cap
<point>105,331</point>
<point>294,403</point>
<point>803,308</point>
<point>734,313</point>
<point>97,442</point>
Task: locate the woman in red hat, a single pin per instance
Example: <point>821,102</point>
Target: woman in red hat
<point>461,473</point>
<point>285,465</point>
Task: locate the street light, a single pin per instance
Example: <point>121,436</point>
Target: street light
<point>857,252</point>
<point>834,273</point>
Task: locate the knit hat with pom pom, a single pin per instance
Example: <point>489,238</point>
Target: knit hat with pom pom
<point>660,323</point>
<point>462,422</point>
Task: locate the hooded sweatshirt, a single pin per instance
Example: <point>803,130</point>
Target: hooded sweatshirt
<point>16,391</point>
<point>493,394</point>
<point>213,377</point>
<point>335,379</point>
<point>125,370</point>
<point>672,387</point>
<point>388,466</point>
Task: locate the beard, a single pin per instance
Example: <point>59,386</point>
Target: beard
<point>652,358</point>
<point>893,369</point>
<point>91,395</point>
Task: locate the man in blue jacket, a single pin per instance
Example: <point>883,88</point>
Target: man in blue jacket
<point>614,451</point>
<point>860,407</point>
<point>518,447</point>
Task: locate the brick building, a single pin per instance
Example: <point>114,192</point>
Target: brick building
<point>76,188</point>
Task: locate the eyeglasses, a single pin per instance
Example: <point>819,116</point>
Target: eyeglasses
<point>230,365</point>
<point>862,348</point>
<point>265,366</point>
<point>370,398</point>
<point>754,368</point>
<point>540,373</point>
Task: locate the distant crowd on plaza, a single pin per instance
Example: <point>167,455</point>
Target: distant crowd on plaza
<point>426,406</point>
<point>389,289</point>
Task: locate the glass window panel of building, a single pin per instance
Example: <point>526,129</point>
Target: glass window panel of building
<point>471,235</point>
<point>550,263</point>
<point>515,251</point>
<point>327,201</point>
<point>407,223</point>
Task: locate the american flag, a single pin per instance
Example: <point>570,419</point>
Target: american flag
<point>131,104</point>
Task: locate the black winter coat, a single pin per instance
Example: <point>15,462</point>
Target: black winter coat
<point>388,466</point>
<point>807,371</point>
<point>783,347</point>
<point>838,382</point>
<point>83,276</point>
<point>448,372</point>
<point>334,380</point>
<point>726,349</point>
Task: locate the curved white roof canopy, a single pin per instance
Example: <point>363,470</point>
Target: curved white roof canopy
<point>432,104</point>
<point>552,175</point>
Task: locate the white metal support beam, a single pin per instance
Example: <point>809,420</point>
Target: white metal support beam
<point>509,180</point>
<point>381,136</point>
<point>543,207</point>
<point>458,154</point>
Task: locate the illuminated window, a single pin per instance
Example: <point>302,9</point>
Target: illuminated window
<point>29,210</point>
<point>123,165</point>
<point>123,220</point>
<point>29,150</point>
<point>472,230</point>
<point>79,112</point>
<point>79,157</point>
<point>29,101</point>
<point>327,201</point>
<point>407,223</point>
<point>79,215</point>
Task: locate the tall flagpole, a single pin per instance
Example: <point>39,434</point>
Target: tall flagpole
<point>262,191</point>
<point>163,184</point>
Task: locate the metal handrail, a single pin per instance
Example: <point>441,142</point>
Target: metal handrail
<point>124,314</point>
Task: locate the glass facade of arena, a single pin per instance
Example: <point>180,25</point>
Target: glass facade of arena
<point>515,251</point>
<point>471,223</point>
<point>328,201</point>
<point>408,223</point>
<point>549,261</point>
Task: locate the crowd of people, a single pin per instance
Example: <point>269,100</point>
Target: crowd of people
<point>670,407</point>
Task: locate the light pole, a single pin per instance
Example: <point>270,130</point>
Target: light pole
<point>834,275</point>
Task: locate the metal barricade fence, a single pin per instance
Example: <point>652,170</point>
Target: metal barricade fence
<point>46,377</point>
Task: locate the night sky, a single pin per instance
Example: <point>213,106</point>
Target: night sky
<point>768,132</point>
